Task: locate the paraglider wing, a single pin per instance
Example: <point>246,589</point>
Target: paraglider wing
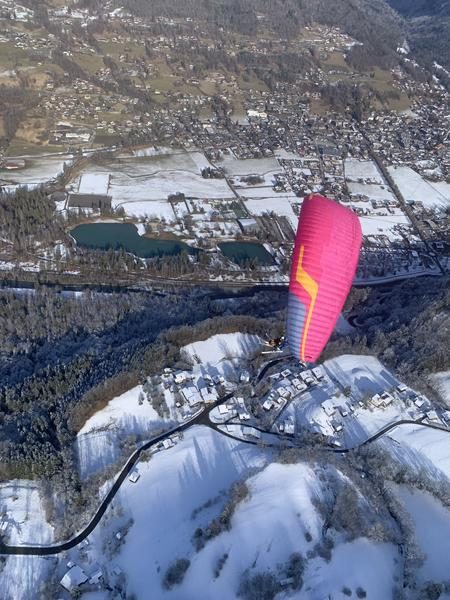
<point>324,262</point>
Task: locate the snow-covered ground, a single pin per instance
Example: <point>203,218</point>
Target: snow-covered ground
<point>277,519</point>
<point>350,379</point>
<point>421,448</point>
<point>94,183</point>
<point>142,184</point>
<point>281,204</point>
<point>250,166</point>
<point>357,564</point>
<point>171,486</point>
<point>38,169</point>
<point>415,188</point>
<point>22,516</point>
<point>441,381</point>
<point>22,520</point>
<point>432,532</point>
<point>223,346</point>
<point>130,413</point>
<point>362,169</point>
<point>373,191</point>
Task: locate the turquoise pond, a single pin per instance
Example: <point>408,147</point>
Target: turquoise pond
<point>115,236</point>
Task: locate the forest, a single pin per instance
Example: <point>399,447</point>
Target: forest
<point>64,356</point>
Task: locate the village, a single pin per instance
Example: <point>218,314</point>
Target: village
<point>124,126</point>
<point>334,406</point>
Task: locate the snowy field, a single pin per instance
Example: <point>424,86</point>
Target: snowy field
<point>97,443</point>
<point>22,516</point>
<point>267,527</point>
<point>223,346</point>
<point>378,221</point>
<point>22,519</point>
<point>362,169</point>
<point>360,563</point>
<point>415,188</point>
<point>142,184</point>
<point>373,191</point>
<point>441,382</point>
<point>171,486</point>
<point>38,169</point>
<point>421,448</point>
<point>280,205</point>
<point>250,166</point>
<point>432,532</point>
<point>384,225</point>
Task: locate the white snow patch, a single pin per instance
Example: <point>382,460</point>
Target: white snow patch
<point>416,189</point>
<point>421,448</point>
<point>222,346</point>
<point>432,530</point>
<point>97,441</point>
<point>441,381</point>
<point>362,169</point>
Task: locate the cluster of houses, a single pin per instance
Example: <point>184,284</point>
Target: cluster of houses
<point>338,410</point>
<point>255,122</point>
<point>193,389</point>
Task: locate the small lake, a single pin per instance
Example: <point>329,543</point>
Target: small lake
<point>240,252</point>
<point>116,236</point>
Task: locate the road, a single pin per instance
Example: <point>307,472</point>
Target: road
<point>201,418</point>
<point>47,550</point>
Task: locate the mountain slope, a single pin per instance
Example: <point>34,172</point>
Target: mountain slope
<point>428,24</point>
<point>372,22</point>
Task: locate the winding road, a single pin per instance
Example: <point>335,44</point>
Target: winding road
<point>201,418</point>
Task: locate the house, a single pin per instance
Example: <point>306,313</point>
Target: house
<point>181,377</point>
<point>134,476</point>
<point>318,373</point>
<point>96,575</point>
<point>343,410</point>
<point>73,579</point>
<point>243,415</point>
<point>432,416</point>
<point>337,427</point>
<point>94,201</point>
<point>209,395</point>
<point>328,407</point>
<point>223,409</point>
<point>377,401</point>
<point>289,426</point>
<point>168,443</point>
<point>191,395</point>
<point>419,402</point>
<point>283,391</point>
<point>244,377</point>
<point>386,398</point>
<point>267,404</point>
<point>307,377</point>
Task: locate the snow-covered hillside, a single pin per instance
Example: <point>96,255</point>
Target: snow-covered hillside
<point>432,532</point>
<point>223,346</point>
<point>185,489</point>
<point>421,448</point>
<point>128,414</point>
